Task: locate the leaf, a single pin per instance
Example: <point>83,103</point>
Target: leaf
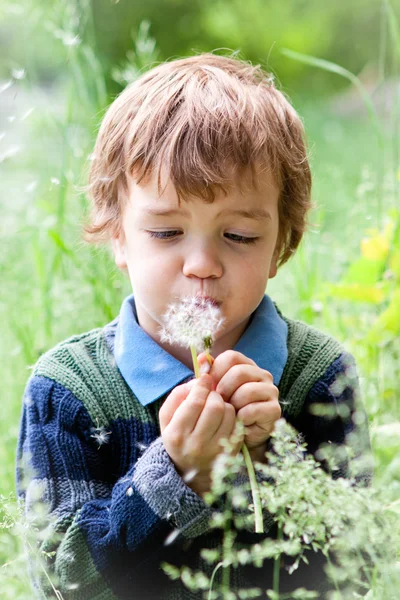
<point>358,293</point>
<point>326,65</point>
<point>364,271</point>
<point>375,248</point>
<point>388,322</point>
<point>394,263</point>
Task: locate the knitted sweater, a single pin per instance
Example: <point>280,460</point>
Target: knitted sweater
<point>117,508</point>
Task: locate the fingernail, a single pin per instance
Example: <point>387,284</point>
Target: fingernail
<point>204,368</point>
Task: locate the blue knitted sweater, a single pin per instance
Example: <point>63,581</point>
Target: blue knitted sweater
<point>93,456</point>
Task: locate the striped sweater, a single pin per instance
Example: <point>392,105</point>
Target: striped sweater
<point>93,455</point>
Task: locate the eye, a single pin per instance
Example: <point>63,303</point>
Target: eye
<point>163,235</point>
<point>241,239</point>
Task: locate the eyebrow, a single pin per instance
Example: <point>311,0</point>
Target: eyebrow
<point>257,214</point>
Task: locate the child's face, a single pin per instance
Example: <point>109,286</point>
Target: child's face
<point>199,249</point>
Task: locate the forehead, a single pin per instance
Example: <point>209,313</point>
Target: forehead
<point>240,191</point>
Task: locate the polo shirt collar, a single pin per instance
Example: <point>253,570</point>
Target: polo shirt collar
<point>151,372</point>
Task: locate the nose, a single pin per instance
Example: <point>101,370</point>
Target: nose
<point>201,260</point>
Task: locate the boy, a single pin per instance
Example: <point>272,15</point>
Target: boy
<point>201,182</point>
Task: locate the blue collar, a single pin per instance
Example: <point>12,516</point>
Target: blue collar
<point>151,372</point>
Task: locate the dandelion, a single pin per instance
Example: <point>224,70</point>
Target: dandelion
<point>193,322</point>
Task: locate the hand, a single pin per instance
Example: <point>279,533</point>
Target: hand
<point>193,420</point>
<point>251,391</point>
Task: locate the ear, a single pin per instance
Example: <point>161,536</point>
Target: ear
<point>273,268</point>
<point>119,251</point>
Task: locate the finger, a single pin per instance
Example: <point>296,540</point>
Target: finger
<point>211,418</point>
<point>226,361</point>
<point>260,413</point>
<point>237,376</point>
<point>259,391</point>
<point>205,362</point>
<point>189,411</point>
<point>227,427</point>
<point>171,403</point>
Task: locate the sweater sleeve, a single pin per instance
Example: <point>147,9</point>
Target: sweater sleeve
<point>106,534</point>
<point>334,423</point>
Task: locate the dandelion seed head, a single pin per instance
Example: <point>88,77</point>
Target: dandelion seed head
<point>191,321</point>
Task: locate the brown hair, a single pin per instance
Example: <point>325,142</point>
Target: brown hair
<point>200,117</point>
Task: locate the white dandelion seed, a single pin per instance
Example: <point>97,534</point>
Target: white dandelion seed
<point>100,434</point>
<point>5,86</point>
<point>171,537</point>
<point>140,446</point>
<point>191,322</point>
<point>190,475</point>
<point>27,113</point>
<point>31,186</point>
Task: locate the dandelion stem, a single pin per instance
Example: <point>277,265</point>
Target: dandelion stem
<point>255,491</point>
<point>195,362</point>
<point>209,357</point>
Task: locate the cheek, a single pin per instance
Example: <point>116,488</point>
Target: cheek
<point>151,267</point>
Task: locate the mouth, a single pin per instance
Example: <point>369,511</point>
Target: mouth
<point>204,300</point>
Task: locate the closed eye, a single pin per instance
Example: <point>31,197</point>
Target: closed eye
<point>233,237</point>
<point>241,239</point>
<point>163,235</point>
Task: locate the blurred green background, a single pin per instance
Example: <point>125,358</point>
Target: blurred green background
<point>62,63</point>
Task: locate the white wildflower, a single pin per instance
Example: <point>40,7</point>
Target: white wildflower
<point>193,321</point>
<point>18,73</point>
